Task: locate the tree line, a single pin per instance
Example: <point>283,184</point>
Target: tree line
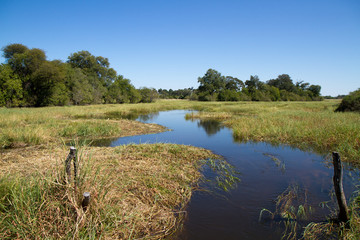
<point>216,87</point>
<point>27,78</point>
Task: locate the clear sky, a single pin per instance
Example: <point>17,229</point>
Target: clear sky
<point>170,43</point>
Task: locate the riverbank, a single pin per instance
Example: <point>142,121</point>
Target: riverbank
<point>137,191</point>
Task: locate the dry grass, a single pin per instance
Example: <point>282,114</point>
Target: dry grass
<point>138,191</point>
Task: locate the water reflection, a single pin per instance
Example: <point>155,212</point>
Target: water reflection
<point>133,115</point>
<point>148,117</point>
<point>211,127</point>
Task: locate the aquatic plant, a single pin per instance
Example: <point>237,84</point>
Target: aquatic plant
<point>291,208</point>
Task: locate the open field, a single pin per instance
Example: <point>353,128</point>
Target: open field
<point>138,190</point>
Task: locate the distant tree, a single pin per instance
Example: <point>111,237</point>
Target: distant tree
<point>272,92</point>
<point>25,64</point>
<point>48,85</point>
<point>283,82</point>
<point>81,91</point>
<point>235,84</point>
<point>148,95</point>
<point>212,82</point>
<point>255,88</point>
<point>122,91</point>
<point>350,103</point>
<point>302,85</point>
<point>11,91</point>
<point>254,83</point>
<point>91,64</point>
<point>228,95</point>
<point>28,79</point>
<point>11,49</point>
<point>315,90</point>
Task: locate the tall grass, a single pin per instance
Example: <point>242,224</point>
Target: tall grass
<point>137,191</point>
<point>307,125</point>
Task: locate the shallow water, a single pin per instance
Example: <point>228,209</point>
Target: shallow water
<point>266,171</point>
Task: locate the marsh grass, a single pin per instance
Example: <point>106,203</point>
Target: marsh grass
<point>333,229</point>
<point>291,209</point>
<point>225,177</point>
<point>137,191</point>
<point>310,126</point>
<point>52,125</point>
<point>278,163</point>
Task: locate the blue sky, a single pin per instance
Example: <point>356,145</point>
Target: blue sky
<point>169,44</point>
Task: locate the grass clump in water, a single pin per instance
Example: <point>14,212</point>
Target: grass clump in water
<point>332,229</point>
<point>291,208</point>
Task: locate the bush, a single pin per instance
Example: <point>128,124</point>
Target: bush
<point>350,103</point>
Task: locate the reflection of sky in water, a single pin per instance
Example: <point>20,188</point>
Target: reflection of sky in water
<point>266,171</point>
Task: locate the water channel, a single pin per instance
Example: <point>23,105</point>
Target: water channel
<point>265,171</point>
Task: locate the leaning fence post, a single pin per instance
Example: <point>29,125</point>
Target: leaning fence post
<point>71,156</point>
<point>338,186</point>
<point>86,201</point>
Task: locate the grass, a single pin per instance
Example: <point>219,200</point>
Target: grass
<point>291,209</point>
<point>312,126</point>
<point>137,191</point>
<point>31,139</point>
<point>306,125</point>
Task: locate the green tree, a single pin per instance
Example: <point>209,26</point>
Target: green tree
<point>283,82</point>
<point>272,92</point>
<point>81,91</point>
<point>148,95</point>
<point>11,91</point>
<point>235,84</point>
<point>48,85</point>
<point>26,63</point>
<point>315,90</point>
<point>97,70</point>
<point>254,83</point>
<point>11,49</point>
<point>228,95</point>
<point>210,85</point>
<point>122,91</point>
<point>92,65</point>
<point>350,103</point>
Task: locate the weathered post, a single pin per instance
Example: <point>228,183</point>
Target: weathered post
<point>86,201</point>
<point>338,186</point>
<point>71,156</point>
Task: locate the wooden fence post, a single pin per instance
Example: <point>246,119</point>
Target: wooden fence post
<point>86,201</point>
<point>71,156</point>
<point>338,186</point>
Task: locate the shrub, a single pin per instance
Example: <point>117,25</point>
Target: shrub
<point>350,103</point>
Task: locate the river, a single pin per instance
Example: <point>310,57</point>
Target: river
<point>265,172</point>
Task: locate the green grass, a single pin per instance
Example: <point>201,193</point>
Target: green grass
<point>310,126</point>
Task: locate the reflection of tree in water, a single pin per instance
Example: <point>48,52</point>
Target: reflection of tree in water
<point>211,127</point>
<point>148,117</point>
